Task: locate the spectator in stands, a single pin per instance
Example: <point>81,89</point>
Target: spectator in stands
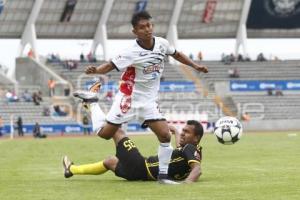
<point>59,111</point>
<point>233,73</point>
<point>31,54</point>
<point>240,58</point>
<point>247,58</point>
<point>91,57</point>
<point>261,57</point>
<point>1,125</point>
<point>15,96</point>
<point>37,131</point>
<point>85,122</point>
<point>51,87</point>
<point>82,59</point>
<point>11,96</point>
<point>270,91</point>
<point>232,57</point>
<point>246,117</point>
<point>236,73</point>
<point>20,126</point>
<point>226,59</point>
<point>26,96</point>
<point>36,99</point>
<point>40,95</point>
<point>8,96</point>
<point>200,56</point>
<point>66,90</point>
<point>191,56</point>
<point>46,111</point>
<point>278,92</point>
<point>70,64</point>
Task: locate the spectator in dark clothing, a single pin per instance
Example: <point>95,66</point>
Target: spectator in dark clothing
<point>261,57</point>
<point>59,112</point>
<point>20,126</point>
<point>37,131</point>
<point>82,58</point>
<point>270,91</point>
<point>40,96</point>
<point>240,58</point>
<point>85,122</point>
<point>36,99</point>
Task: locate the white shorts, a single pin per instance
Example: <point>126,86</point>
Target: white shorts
<point>125,109</point>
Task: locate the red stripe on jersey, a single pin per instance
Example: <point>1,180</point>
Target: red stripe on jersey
<point>127,81</point>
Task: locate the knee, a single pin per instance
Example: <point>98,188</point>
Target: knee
<point>110,163</point>
<point>103,135</point>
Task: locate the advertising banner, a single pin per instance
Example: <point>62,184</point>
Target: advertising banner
<point>241,86</point>
<point>275,14</point>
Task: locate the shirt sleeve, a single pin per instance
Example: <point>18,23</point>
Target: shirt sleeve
<point>191,153</point>
<point>122,61</point>
<point>170,50</point>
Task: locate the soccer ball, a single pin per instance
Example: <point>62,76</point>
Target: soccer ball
<point>228,130</point>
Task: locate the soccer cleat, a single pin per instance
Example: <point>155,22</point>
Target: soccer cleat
<point>164,179</point>
<point>67,164</point>
<point>86,96</point>
<point>89,96</point>
<point>96,86</point>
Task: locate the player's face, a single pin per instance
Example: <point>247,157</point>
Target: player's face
<point>188,136</point>
<point>144,30</point>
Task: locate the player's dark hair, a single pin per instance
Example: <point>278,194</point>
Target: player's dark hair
<point>139,16</point>
<point>198,129</point>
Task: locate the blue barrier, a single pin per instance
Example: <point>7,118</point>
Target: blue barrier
<point>177,86</point>
<point>240,86</point>
<point>64,128</point>
<point>166,86</point>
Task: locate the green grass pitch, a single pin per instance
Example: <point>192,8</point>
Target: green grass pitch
<point>262,166</point>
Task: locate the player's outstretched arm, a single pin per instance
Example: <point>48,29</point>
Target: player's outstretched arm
<point>194,174</point>
<point>176,134</point>
<point>187,61</point>
<point>102,69</point>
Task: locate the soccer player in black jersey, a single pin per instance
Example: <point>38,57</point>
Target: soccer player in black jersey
<point>131,165</point>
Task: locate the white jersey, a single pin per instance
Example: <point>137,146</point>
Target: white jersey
<point>142,69</point>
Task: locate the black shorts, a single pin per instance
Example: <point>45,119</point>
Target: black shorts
<point>131,165</point>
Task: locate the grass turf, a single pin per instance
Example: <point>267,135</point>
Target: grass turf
<point>261,166</point>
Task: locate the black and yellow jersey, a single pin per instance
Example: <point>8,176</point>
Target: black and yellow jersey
<point>179,167</point>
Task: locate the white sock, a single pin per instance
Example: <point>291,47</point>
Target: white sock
<point>98,116</point>
<point>164,156</point>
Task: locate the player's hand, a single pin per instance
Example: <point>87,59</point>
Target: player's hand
<point>173,130</point>
<point>91,70</point>
<point>201,68</point>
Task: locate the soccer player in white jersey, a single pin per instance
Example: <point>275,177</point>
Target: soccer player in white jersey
<point>142,64</point>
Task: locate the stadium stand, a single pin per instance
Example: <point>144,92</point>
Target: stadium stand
<point>270,70</point>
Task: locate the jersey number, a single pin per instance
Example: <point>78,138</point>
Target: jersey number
<point>128,144</point>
